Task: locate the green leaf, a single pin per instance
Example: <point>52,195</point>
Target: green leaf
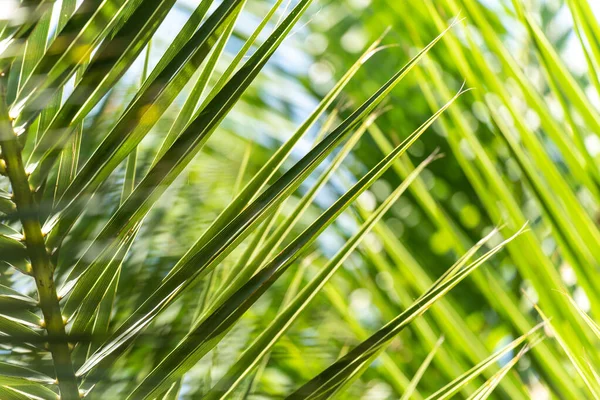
<point>329,380</point>
<point>17,371</point>
<point>222,243</point>
<point>150,103</point>
<point>6,204</point>
<point>14,253</point>
<point>268,337</point>
<point>489,386</point>
<point>422,368</point>
<point>12,394</point>
<point>267,171</point>
<point>262,252</point>
<point>187,111</point>
<point>453,387</point>
<point>90,24</point>
<point>112,59</point>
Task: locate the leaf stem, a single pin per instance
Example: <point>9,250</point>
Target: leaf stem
<point>41,266</point>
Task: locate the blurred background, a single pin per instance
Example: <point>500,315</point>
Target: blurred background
<point>364,296</point>
<point>523,114</point>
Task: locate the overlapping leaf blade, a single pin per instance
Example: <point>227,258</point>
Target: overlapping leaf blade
<point>220,244</point>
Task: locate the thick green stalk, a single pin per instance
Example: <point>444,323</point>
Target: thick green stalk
<point>41,267</point>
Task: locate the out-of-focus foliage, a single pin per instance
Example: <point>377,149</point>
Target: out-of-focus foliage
<point>523,145</point>
<point>261,199</point>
